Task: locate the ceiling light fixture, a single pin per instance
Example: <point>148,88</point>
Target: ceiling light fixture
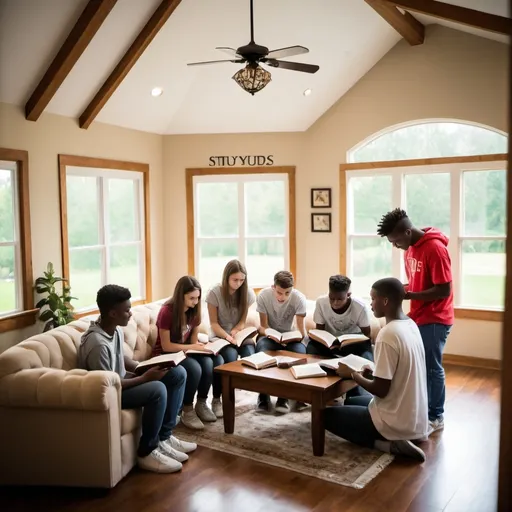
<point>307,92</point>
<point>156,91</point>
<point>252,78</point>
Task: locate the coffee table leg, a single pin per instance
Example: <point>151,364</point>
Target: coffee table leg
<point>228,404</point>
<point>317,427</point>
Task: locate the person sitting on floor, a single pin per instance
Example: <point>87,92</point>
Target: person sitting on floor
<point>341,313</point>
<point>396,412</point>
<point>278,306</point>
<point>158,391</point>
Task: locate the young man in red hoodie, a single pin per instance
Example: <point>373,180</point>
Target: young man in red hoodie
<point>429,274</point>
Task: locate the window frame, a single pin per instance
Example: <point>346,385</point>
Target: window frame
<point>251,173</point>
<point>398,169</point>
<point>106,168</point>
<point>27,314</point>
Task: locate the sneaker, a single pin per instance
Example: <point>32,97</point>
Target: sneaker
<point>300,406</point>
<point>170,452</point>
<point>407,449</point>
<point>189,419</point>
<point>282,406</point>
<point>264,404</point>
<point>217,408</point>
<point>434,426</point>
<point>204,412</point>
<point>179,445</point>
<point>157,462</point>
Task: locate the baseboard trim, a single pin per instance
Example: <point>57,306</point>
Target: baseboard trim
<point>475,362</point>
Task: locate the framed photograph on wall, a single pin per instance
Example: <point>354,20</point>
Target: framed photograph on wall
<point>320,198</point>
<point>321,222</point>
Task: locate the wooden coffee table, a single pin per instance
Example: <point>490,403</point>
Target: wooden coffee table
<point>318,391</point>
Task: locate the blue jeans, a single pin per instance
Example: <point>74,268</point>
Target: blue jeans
<point>161,401</point>
<point>200,376</point>
<point>231,352</point>
<point>265,343</point>
<point>353,421</point>
<point>434,339</point>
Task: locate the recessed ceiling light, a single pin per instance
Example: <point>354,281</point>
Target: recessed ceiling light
<point>156,91</point>
<point>307,92</point>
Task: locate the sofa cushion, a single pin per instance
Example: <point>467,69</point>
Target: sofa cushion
<point>130,420</point>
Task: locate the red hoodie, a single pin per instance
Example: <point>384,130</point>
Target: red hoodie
<point>428,263</point>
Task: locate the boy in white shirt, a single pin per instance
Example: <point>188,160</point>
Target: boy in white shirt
<point>341,313</point>
<point>397,413</point>
<point>279,305</point>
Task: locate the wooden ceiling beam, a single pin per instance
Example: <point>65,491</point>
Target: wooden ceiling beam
<point>77,41</point>
<point>457,14</point>
<point>404,23</point>
<point>146,35</point>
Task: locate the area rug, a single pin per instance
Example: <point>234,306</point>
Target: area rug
<point>285,441</point>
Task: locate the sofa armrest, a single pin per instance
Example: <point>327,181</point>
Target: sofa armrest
<point>59,389</point>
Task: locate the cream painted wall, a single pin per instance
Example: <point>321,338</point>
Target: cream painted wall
<point>454,75</point>
<point>52,135</point>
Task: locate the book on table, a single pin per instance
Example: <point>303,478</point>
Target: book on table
<point>307,371</point>
<point>163,361</point>
<point>329,340</point>
<point>283,338</point>
<point>355,363</point>
<point>261,360</point>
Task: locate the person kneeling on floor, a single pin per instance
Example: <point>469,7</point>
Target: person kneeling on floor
<point>396,412</point>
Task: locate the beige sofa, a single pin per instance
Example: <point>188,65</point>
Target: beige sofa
<point>60,425</point>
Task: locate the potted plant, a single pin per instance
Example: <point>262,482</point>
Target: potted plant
<point>55,309</point>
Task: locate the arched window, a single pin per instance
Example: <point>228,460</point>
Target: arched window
<point>449,175</point>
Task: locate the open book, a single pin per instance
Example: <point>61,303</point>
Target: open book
<point>212,347</point>
<point>354,362</point>
<point>245,335</point>
<point>307,371</point>
<point>283,338</point>
<point>163,361</point>
<point>261,360</point>
<point>327,339</point>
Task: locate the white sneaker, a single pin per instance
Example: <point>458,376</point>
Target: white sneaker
<point>170,452</point>
<point>179,445</point>
<point>434,426</point>
<point>407,449</point>
<point>217,408</point>
<point>157,462</point>
<point>190,420</point>
<point>204,412</point>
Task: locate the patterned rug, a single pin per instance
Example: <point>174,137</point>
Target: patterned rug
<point>285,441</point>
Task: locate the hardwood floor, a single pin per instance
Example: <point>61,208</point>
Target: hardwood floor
<point>460,474</point>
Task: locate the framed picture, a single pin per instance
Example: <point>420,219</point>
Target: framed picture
<point>321,222</point>
<point>320,198</point>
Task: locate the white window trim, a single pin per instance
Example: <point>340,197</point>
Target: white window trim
<point>456,238</point>
<point>103,224</point>
<point>16,242</point>
<point>242,238</point>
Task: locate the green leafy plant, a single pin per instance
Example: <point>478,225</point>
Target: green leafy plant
<point>55,308</point>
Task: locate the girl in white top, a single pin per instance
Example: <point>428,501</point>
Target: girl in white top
<point>228,304</point>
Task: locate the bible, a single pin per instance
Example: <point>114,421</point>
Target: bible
<point>355,363</point>
<point>327,339</point>
<point>245,336</point>
<point>307,371</point>
<point>163,361</point>
<point>261,360</point>
<point>212,348</point>
<point>283,338</point>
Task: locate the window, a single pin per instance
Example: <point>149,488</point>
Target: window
<point>16,295</point>
<point>105,227</point>
<point>465,197</point>
<point>243,216</point>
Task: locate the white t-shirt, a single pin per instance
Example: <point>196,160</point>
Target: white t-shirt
<point>350,322</point>
<point>400,357</point>
<point>227,315</point>
<point>281,316</point>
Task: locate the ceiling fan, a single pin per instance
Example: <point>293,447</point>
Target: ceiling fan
<point>253,77</point>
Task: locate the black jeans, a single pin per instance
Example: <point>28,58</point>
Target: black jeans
<point>353,422</point>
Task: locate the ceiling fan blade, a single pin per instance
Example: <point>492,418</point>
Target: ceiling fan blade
<point>294,66</point>
<point>236,61</point>
<point>229,51</point>
<point>289,51</point>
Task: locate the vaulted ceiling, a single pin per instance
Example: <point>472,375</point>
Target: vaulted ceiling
<point>345,37</point>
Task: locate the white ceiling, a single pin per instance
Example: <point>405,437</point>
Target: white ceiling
<point>346,38</point>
